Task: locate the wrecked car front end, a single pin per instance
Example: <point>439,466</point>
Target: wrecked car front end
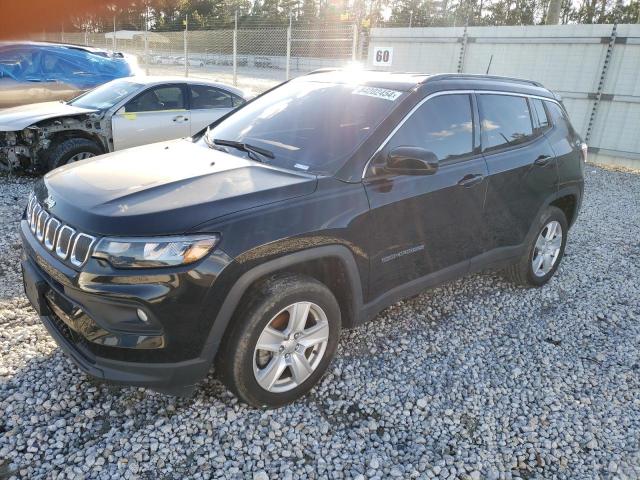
<point>24,149</point>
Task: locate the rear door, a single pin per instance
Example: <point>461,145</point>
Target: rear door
<point>522,169</point>
<point>209,103</point>
<point>428,223</point>
<point>159,113</point>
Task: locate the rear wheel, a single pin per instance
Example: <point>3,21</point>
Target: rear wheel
<point>72,150</point>
<point>281,342</point>
<point>540,262</point>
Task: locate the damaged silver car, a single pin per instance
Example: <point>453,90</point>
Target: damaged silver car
<point>120,114</point>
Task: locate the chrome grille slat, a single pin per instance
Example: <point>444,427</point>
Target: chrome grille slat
<point>34,215</point>
<point>76,261</point>
<point>50,233</point>
<point>43,217</point>
<point>60,239</point>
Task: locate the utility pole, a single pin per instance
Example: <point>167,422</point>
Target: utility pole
<point>235,51</point>
<point>288,48</point>
<point>186,49</point>
<point>114,33</point>
<point>146,40</point>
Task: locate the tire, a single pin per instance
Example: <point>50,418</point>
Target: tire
<point>239,363</point>
<point>523,272</point>
<point>65,150</point>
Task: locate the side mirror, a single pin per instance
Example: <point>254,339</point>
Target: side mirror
<point>412,161</point>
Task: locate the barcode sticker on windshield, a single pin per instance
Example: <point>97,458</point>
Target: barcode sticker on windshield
<point>377,92</point>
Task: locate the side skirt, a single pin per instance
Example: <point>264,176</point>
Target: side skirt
<point>497,258</point>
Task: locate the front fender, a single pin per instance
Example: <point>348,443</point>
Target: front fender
<point>242,284</point>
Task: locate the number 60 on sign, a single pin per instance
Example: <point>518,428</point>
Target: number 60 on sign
<point>382,56</point>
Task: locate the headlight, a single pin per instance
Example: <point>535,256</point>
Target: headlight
<point>155,251</point>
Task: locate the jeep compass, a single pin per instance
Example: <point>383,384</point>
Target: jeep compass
<point>248,247</point>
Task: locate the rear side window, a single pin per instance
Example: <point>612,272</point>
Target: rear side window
<point>540,119</point>
<point>559,118</point>
<point>157,99</point>
<point>204,97</point>
<point>18,63</point>
<point>505,120</point>
<point>442,125</point>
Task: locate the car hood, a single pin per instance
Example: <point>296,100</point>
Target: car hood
<point>163,188</point>
<point>16,118</point>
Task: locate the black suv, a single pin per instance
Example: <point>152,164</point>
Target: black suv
<point>308,210</point>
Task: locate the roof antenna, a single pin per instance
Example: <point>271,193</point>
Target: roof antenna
<point>489,66</point>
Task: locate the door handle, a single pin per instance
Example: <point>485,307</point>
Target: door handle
<point>470,180</point>
<point>179,118</point>
<point>542,160</point>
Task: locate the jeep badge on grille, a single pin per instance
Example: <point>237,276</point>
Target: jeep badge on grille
<point>49,202</point>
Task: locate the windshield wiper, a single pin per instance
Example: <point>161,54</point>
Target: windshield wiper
<point>251,150</point>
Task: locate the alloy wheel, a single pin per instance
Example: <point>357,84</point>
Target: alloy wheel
<point>547,249</point>
<point>291,347</point>
<point>81,156</point>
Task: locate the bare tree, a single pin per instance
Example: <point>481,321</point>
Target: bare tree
<point>553,14</point>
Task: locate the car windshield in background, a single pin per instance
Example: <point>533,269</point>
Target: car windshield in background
<point>309,126</point>
<point>107,95</point>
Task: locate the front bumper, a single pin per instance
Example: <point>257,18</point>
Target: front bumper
<point>92,316</point>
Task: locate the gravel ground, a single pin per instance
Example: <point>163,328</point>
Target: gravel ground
<point>476,379</point>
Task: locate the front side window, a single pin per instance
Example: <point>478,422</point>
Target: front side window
<point>157,99</point>
<point>442,125</point>
<point>505,120</point>
<point>309,125</point>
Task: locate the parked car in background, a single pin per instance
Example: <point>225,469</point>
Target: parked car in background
<point>193,62</point>
<point>307,211</point>
<point>33,72</point>
<point>120,114</point>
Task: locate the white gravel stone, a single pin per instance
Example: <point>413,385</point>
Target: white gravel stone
<point>475,379</point>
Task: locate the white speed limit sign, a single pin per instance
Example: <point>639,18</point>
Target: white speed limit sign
<point>382,56</point>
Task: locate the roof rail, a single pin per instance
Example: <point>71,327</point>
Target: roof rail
<point>323,70</point>
<point>472,76</point>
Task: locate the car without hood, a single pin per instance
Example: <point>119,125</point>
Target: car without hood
<point>121,114</point>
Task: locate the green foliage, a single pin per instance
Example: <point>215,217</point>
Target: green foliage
<point>170,15</point>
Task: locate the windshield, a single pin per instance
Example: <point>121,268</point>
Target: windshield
<point>107,95</point>
<point>308,126</point>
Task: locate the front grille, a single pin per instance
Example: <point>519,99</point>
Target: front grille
<point>61,240</point>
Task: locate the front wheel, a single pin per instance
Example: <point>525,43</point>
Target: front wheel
<point>546,249</point>
<point>72,150</point>
<point>281,341</point>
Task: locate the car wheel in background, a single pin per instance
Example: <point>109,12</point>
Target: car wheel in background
<point>545,251</point>
<point>281,341</point>
<point>72,150</point>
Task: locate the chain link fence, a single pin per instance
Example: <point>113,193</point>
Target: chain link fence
<point>253,56</point>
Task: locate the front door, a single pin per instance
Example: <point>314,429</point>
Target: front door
<point>425,224</point>
<point>157,114</point>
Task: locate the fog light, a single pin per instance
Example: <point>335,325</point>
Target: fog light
<point>142,315</point>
